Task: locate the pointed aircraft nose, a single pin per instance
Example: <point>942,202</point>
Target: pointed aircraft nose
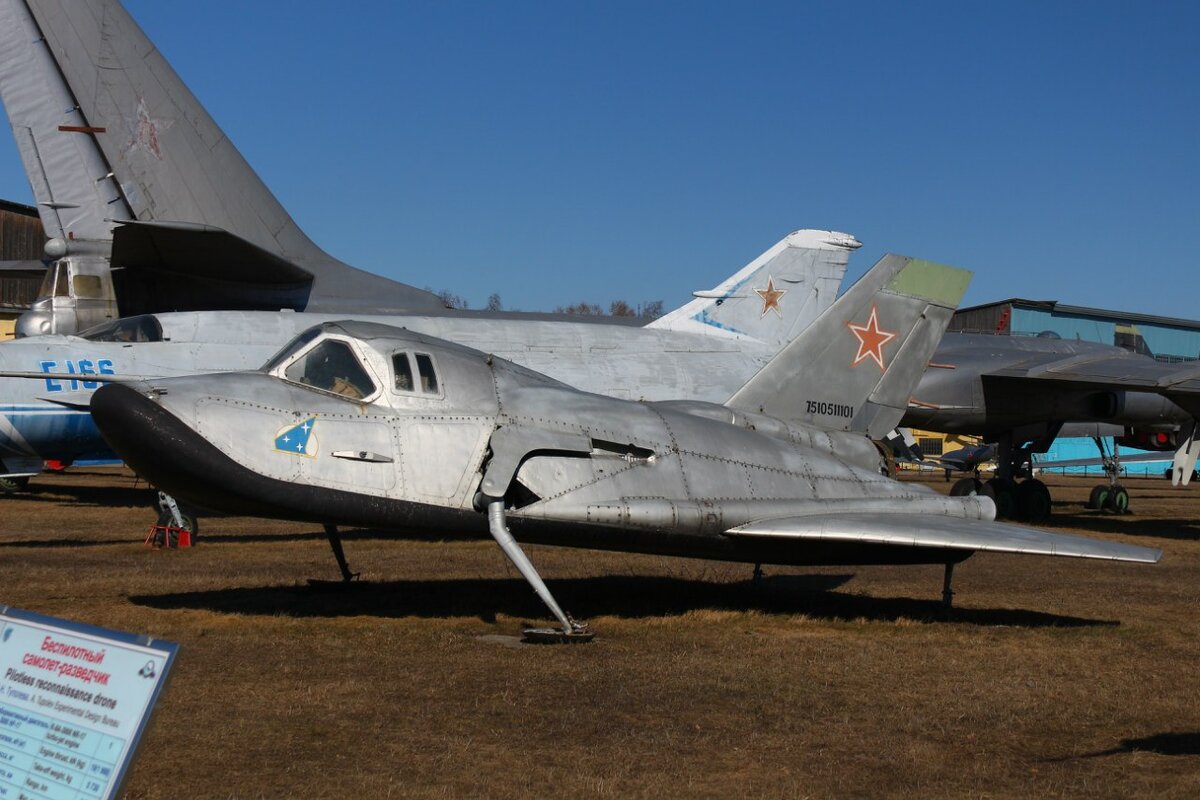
<point>144,434</point>
<point>164,450</point>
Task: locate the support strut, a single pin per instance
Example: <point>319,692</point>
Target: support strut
<point>571,630</point>
<point>335,543</point>
<point>947,592</point>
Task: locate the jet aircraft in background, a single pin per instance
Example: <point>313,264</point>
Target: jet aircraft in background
<point>128,170</point>
<point>704,350</point>
<point>1019,392</point>
<point>361,424</point>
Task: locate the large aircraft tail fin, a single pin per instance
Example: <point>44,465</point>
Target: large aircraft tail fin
<point>174,166</point>
<point>856,366</point>
<point>775,296</point>
<point>77,197</point>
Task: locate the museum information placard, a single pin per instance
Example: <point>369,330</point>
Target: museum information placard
<point>74,701</point>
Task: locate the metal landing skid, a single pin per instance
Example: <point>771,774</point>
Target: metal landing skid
<point>571,632</point>
<point>335,544</point>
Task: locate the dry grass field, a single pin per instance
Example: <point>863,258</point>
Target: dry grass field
<point>1051,677</point>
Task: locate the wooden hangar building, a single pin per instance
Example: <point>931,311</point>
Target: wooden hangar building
<point>21,267</point>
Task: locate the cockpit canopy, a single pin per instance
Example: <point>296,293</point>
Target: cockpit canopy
<point>326,358</point>
<point>142,328</point>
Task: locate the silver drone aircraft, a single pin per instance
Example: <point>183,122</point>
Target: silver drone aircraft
<point>361,424</point>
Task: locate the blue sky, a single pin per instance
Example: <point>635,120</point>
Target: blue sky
<point>559,152</point>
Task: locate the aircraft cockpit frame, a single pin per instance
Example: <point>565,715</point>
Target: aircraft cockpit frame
<point>326,359</point>
<point>331,363</point>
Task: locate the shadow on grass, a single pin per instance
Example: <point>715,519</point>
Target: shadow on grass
<point>138,534</point>
<point>124,496</point>
<point>1164,744</point>
<point>622,596</point>
<point>1127,524</point>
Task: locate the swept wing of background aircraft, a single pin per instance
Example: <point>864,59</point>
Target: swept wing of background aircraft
<point>360,424</point>
<point>1020,391</point>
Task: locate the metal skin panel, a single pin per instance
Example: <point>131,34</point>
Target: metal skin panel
<point>442,457</point>
<point>367,435</point>
<point>236,428</point>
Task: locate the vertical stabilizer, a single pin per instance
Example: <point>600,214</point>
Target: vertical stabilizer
<point>775,296</point>
<point>177,169</point>
<point>76,195</point>
<point>856,366</point>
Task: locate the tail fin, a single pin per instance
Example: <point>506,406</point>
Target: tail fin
<point>776,295</point>
<point>76,196</point>
<point>855,367</point>
<point>176,168</point>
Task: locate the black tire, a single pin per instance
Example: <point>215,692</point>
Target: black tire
<point>1118,500</point>
<point>190,524</point>
<point>1099,497</point>
<point>964,486</point>
<point>14,484</point>
<point>1033,501</point>
<point>1003,494</point>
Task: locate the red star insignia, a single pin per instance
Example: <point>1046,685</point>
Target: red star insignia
<point>770,297</point>
<point>870,340</point>
<point>144,131</point>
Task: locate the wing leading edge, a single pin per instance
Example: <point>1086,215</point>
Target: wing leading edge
<point>912,530</point>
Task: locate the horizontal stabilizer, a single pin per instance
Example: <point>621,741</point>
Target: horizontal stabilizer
<point>200,251</point>
<point>911,530</point>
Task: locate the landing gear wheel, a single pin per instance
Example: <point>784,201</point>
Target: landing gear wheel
<point>1003,494</point>
<point>1033,501</point>
<point>188,522</point>
<point>1099,497</point>
<point>1118,500</point>
<point>964,487</point>
<point>14,484</point>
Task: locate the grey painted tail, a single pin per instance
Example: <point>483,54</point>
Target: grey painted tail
<point>775,296</point>
<point>856,366</point>
<point>173,165</point>
<point>76,194</point>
